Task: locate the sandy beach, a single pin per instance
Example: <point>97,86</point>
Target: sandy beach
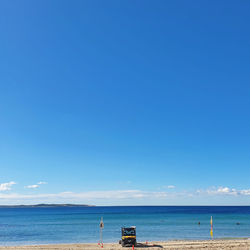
<point>211,244</point>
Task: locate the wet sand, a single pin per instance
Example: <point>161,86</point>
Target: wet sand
<point>238,244</point>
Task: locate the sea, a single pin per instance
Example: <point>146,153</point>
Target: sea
<point>47,225</point>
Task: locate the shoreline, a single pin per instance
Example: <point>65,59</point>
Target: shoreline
<point>216,244</point>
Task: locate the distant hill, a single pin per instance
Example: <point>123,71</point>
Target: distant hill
<point>47,205</point>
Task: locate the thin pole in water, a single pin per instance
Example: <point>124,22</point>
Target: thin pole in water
<point>101,228</point>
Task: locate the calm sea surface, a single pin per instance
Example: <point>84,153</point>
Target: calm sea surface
<point>19,226</point>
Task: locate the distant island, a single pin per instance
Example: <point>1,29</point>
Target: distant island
<point>47,205</point>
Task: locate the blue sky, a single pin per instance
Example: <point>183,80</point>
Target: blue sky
<point>125,102</point>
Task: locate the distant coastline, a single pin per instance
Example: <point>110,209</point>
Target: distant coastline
<point>46,205</point>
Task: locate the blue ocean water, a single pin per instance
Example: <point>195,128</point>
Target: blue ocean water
<point>21,226</point>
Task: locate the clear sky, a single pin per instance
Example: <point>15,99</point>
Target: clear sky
<point>125,102</point>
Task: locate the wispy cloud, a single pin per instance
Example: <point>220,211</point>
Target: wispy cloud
<point>132,196</point>
<point>34,186</point>
<point>224,191</point>
<point>167,187</point>
<point>116,194</point>
<point>6,186</point>
<point>41,183</point>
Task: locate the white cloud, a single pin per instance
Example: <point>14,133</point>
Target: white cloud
<point>245,192</point>
<point>6,186</point>
<point>36,185</point>
<point>224,191</point>
<point>32,186</point>
<point>171,186</point>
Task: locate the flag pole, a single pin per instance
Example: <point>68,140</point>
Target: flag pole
<point>211,230</point>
